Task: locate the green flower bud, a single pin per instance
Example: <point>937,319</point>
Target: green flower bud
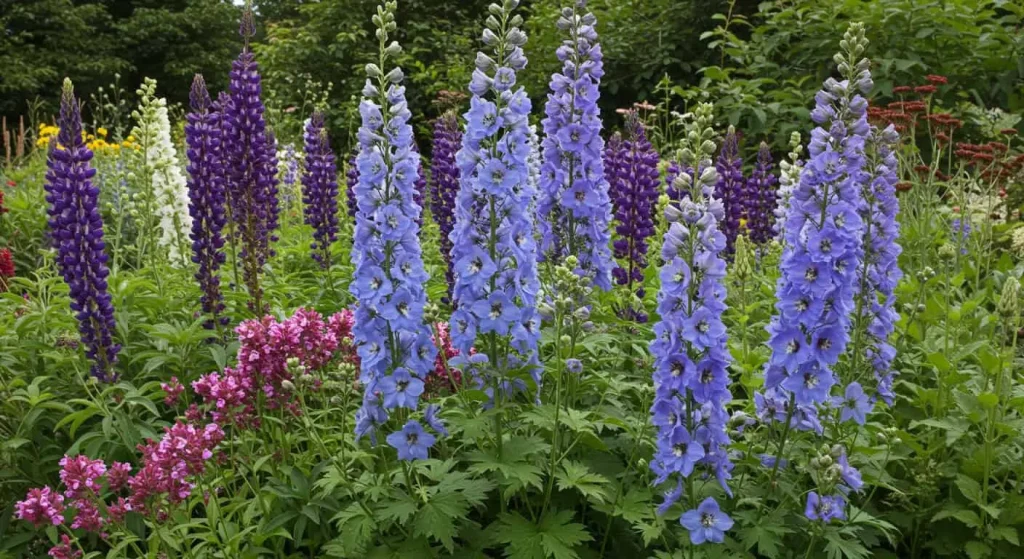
<point>1009,300</point>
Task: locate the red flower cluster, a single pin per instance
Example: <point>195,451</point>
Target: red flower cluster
<point>6,268</point>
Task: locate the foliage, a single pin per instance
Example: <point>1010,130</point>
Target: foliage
<point>566,467</point>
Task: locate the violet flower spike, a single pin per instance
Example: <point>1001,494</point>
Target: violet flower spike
<point>394,344</point>
<point>206,199</point>
<point>691,350</point>
<point>761,198</point>
<point>631,166</point>
<point>76,230</point>
<point>351,180</point>
<point>731,188</point>
<point>881,272</point>
<point>320,190</point>
<point>444,184</point>
<point>252,169</point>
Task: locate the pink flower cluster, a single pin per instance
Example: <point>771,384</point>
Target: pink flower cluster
<point>266,346</point>
<point>41,506</point>
<point>64,550</point>
<point>443,378</point>
<point>167,466</point>
<point>81,477</point>
<point>172,391</point>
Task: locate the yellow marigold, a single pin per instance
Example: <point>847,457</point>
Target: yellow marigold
<point>101,131</point>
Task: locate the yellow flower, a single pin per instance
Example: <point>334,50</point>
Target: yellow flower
<point>101,131</point>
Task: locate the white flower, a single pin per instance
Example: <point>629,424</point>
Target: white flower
<point>169,190</point>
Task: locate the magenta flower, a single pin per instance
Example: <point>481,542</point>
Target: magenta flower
<point>41,506</point>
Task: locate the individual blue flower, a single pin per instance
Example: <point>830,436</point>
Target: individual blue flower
<point>574,204</point>
<point>401,389</point>
<point>496,313</point>
<point>412,442</point>
<point>825,508</point>
<point>682,452</point>
<point>848,473</point>
<point>495,258</point>
<point>854,404</point>
<point>574,366</point>
<point>706,523</point>
<point>432,419</point>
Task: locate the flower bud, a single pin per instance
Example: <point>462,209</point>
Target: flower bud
<point>1009,300</point>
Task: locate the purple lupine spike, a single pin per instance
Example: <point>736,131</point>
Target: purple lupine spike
<point>631,166</point>
<point>444,183</point>
<point>351,180</point>
<point>731,188</point>
<point>320,190</point>
<point>206,198</point>
<point>761,198</point>
<point>252,170</point>
<point>76,230</point>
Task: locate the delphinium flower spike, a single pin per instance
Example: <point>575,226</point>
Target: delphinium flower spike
<point>690,351</point>
<point>574,207</point>
<point>631,165</point>
<point>169,195</point>
<point>731,188</point>
<point>880,273</point>
<point>394,344</point>
<point>252,169</point>
<point>206,198</point>
<point>76,230</point>
<point>444,184</point>
<point>320,190</point>
<point>822,255</point>
<point>494,252</point>
<point>760,206</point>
